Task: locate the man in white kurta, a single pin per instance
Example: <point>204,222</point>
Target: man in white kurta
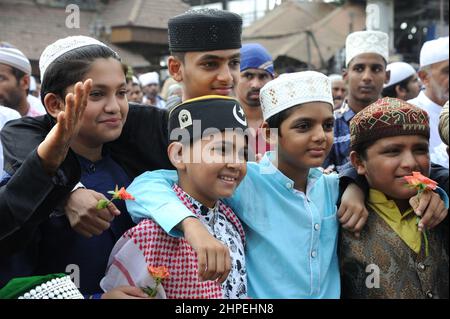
<point>434,75</point>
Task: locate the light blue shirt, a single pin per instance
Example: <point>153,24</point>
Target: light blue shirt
<point>291,249</point>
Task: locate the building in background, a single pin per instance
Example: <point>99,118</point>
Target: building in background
<point>136,29</point>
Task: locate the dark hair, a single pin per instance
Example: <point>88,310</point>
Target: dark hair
<point>361,149</point>
<point>390,90</point>
<point>71,67</point>
<point>276,120</point>
<point>179,55</point>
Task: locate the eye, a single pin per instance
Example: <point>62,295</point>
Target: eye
<point>328,126</point>
<point>302,126</point>
<point>210,65</point>
<point>123,92</point>
<point>96,94</point>
<point>235,62</point>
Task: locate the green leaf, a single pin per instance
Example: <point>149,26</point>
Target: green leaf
<point>102,203</point>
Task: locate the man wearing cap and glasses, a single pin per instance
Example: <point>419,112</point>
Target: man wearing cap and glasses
<point>434,75</point>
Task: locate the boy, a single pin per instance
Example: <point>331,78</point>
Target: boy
<point>389,140</point>
<point>201,184</point>
<point>289,212</point>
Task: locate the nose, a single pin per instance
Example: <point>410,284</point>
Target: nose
<point>224,75</point>
<point>318,134</point>
<point>112,105</point>
<point>367,75</point>
<point>409,162</point>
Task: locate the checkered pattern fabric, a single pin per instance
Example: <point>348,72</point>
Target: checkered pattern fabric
<point>177,255</point>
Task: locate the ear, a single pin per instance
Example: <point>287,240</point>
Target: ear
<point>25,82</point>
<point>388,77</point>
<point>175,67</point>
<point>423,76</point>
<point>358,163</point>
<point>269,138</point>
<point>175,153</point>
<point>400,92</point>
<point>345,75</point>
<point>53,104</point>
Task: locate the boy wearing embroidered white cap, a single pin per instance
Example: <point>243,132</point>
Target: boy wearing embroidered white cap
<point>433,73</point>
<point>150,87</point>
<point>287,206</point>
<point>403,84</point>
<point>365,74</point>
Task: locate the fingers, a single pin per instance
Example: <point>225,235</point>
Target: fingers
<point>420,203</point>
<point>226,271</point>
<point>202,260</point>
<point>431,213</point>
<point>113,210</point>
<point>354,221</point>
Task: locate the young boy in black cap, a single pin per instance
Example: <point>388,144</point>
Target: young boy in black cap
<point>211,162</point>
<point>205,56</point>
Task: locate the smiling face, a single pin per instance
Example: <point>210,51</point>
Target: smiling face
<point>107,107</point>
<point>207,73</point>
<point>306,136</point>
<point>365,76</point>
<point>389,159</point>
<point>218,172</point>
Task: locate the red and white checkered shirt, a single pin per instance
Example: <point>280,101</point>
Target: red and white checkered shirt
<point>161,249</point>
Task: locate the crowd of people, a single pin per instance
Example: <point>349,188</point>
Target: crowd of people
<point>232,168</point>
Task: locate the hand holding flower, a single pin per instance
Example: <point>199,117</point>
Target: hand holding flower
<point>423,185</point>
<point>121,194</point>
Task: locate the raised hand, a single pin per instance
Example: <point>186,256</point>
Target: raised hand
<point>53,150</point>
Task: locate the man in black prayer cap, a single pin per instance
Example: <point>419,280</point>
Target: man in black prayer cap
<point>204,46</point>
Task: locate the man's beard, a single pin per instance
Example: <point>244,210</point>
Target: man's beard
<point>251,101</point>
<point>12,101</point>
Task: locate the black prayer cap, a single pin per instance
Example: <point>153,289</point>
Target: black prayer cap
<point>213,111</point>
<point>205,30</point>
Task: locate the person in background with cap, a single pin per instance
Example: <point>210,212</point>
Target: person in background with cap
<point>433,73</point>
<point>6,114</point>
<point>365,74</point>
<point>256,70</point>
<point>15,72</point>
<point>150,86</point>
<point>134,90</point>
<point>339,90</point>
<point>403,84</point>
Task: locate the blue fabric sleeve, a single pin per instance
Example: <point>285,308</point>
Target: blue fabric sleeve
<point>443,195</point>
<point>156,200</point>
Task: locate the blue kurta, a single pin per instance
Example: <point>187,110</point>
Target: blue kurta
<point>291,249</point>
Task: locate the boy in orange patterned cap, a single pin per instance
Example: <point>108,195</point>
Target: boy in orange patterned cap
<point>393,258</point>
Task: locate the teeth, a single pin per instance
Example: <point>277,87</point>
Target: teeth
<point>229,179</point>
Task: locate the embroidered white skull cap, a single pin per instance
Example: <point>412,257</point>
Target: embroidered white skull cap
<point>292,89</point>
<point>361,42</point>
<point>434,51</point>
<point>62,46</point>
